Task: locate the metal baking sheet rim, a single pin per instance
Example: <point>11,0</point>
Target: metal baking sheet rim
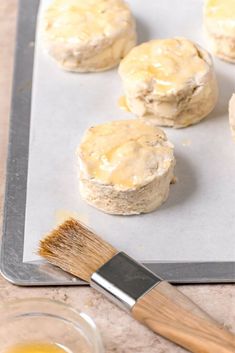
<point>38,274</point>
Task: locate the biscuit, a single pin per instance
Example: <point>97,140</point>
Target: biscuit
<point>219,23</point>
<point>126,167</point>
<point>169,81</point>
<point>88,35</point>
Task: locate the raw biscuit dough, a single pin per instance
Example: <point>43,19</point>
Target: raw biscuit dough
<point>88,35</point>
<point>219,23</point>
<point>126,167</point>
<point>169,81</point>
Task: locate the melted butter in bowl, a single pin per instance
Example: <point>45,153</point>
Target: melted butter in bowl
<point>37,347</point>
<point>40,325</point>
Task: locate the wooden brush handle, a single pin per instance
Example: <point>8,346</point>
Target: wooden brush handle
<point>171,314</point>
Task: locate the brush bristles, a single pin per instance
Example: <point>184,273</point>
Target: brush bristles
<point>76,249</point>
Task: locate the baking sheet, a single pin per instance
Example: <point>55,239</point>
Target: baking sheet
<point>197,221</point>
<point>36,272</point>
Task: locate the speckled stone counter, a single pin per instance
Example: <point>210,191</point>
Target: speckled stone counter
<point>121,334</point>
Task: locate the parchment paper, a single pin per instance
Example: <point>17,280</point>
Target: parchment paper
<point>197,223</point>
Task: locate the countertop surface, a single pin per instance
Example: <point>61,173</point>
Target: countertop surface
<point>120,333</point>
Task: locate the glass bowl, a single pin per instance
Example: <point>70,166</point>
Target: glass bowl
<point>46,321</point>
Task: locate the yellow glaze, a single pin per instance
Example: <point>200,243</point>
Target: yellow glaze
<point>125,153</point>
<point>168,63</point>
<point>220,17</point>
<point>220,9</point>
<point>122,103</point>
<point>35,348</point>
<point>75,21</point>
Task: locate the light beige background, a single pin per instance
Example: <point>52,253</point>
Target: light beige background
<point>120,333</point>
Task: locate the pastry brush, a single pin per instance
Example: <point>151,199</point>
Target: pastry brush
<point>147,297</point>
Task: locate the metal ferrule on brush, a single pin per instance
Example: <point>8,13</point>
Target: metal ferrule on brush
<point>124,280</point>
